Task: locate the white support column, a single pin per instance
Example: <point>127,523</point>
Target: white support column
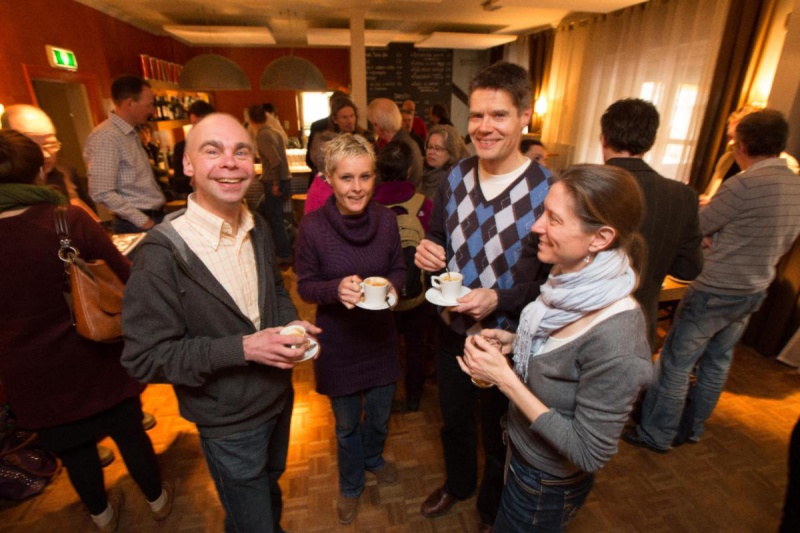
<point>358,66</point>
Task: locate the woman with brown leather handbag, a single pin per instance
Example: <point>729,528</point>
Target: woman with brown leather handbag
<point>68,389</point>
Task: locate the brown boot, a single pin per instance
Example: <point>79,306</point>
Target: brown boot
<point>346,509</point>
<point>387,475</point>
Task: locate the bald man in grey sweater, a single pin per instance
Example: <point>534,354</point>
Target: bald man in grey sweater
<point>751,222</point>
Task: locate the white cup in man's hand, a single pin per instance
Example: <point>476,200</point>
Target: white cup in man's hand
<point>449,284</point>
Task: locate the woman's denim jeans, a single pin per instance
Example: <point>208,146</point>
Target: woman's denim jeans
<point>537,501</point>
<point>360,442</point>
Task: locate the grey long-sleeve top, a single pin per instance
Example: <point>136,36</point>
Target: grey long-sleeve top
<point>590,385</point>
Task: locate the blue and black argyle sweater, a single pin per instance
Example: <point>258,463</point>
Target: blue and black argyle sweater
<point>484,237</point>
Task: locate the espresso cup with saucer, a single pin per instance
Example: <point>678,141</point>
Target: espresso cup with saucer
<point>310,345</point>
<point>375,290</point>
<point>449,284</point>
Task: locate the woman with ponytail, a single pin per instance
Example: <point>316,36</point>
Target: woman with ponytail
<point>580,354</point>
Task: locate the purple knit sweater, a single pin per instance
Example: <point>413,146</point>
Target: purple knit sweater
<point>359,347</point>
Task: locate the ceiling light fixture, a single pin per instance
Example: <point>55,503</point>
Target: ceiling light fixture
<point>292,73</point>
<point>213,72</point>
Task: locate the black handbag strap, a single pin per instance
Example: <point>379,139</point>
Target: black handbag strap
<point>67,250</point>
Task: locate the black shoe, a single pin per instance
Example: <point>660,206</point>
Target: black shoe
<point>631,436</point>
<point>682,439</point>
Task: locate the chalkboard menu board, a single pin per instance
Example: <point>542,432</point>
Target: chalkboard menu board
<point>400,72</point>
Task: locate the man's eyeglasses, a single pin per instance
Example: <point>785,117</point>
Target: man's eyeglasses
<point>51,148</point>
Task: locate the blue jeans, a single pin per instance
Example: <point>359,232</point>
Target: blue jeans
<point>246,467</point>
<point>706,328</point>
<point>359,443</point>
<point>272,210</point>
<point>537,501</point>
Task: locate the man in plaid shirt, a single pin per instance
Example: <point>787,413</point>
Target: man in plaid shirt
<point>119,172</point>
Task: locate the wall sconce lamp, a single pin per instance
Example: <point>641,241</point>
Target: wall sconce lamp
<point>539,109</point>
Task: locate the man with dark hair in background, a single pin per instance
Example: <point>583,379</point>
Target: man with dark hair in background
<point>480,227</point>
<point>119,172</point>
<point>749,224</point>
<point>670,226</point>
<point>408,125</point>
<point>181,183</point>
<point>319,126</point>
<point>276,179</point>
<point>273,121</point>
<point>418,126</point>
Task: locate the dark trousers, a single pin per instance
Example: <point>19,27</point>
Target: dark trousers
<point>791,507</point>
<point>123,423</point>
<point>457,399</point>
<point>411,325</point>
<point>272,210</point>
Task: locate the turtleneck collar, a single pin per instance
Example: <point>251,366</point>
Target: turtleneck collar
<point>355,229</point>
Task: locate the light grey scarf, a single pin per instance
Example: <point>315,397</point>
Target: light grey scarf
<point>567,297</point>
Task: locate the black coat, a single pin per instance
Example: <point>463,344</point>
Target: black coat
<point>671,231</point>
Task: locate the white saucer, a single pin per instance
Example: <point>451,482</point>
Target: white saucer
<point>311,352</point>
<point>379,307</point>
<point>435,297</point>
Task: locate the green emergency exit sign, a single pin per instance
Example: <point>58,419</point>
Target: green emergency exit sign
<point>61,58</point>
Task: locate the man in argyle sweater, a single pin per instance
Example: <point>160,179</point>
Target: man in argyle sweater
<point>480,227</point>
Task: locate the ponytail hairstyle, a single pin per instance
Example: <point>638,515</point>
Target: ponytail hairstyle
<point>605,195</point>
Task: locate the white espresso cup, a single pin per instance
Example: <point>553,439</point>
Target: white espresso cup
<point>375,290</point>
<point>310,346</point>
<point>449,284</point>
<point>296,330</point>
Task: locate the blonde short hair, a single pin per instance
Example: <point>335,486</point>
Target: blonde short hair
<point>345,146</point>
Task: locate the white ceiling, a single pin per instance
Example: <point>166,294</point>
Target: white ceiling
<point>327,22</point>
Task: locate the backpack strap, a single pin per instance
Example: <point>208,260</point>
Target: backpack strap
<point>413,205</point>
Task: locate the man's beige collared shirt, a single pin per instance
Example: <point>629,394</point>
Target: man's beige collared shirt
<point>230,257</point>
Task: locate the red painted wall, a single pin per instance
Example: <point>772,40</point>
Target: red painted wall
<point>106,48</point>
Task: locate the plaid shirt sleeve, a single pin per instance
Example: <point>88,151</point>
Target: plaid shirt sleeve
<point>103,155</point>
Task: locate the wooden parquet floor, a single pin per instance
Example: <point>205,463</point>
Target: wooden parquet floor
<point>733,480</point>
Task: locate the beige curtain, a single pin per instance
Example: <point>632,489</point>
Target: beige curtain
<point>518,52</point>
<point>663,51</point>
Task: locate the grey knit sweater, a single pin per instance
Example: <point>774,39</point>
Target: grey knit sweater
<point>589,385</point>
<point>754,219</point>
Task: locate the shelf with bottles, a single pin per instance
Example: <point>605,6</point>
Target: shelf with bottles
<point>171,104</point>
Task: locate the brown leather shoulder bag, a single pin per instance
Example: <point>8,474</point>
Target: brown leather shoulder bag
<point>92,290</point>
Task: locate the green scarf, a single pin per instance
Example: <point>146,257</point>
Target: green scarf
<point>19,195</point>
